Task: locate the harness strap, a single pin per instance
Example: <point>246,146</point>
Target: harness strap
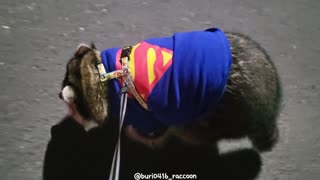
<point>123,74</point>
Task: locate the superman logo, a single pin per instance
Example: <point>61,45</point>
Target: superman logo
<point>147,65</point>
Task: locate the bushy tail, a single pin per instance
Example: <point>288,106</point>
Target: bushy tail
<point>265,139</point>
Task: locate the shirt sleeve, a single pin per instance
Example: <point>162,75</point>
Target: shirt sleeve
<point>73,153</point>
<point>63,157</point>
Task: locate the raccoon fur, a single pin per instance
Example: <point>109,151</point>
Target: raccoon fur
<point>82,79</point>
<point>248,108</point>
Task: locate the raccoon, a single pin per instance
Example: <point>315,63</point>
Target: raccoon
<point>248,106</point>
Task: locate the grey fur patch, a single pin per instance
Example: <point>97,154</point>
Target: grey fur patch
<point>94,91</point>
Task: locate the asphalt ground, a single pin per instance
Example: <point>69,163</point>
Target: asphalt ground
<point>38,36</point>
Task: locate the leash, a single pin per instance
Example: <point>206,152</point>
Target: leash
<point>115,167</point>
<point>124,60</point>
<point>127,85</point>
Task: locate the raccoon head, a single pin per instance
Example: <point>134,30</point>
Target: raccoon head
<point>82,86</point>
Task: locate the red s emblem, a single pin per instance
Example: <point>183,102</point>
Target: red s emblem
<point>148,63</point>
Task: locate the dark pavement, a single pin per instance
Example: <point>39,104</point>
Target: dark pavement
<point>38,36</point>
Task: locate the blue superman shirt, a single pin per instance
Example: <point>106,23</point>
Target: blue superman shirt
<point>179,76</point>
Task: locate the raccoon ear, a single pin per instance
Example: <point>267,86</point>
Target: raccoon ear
<point>93,46</point>
<point>82,50</point>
